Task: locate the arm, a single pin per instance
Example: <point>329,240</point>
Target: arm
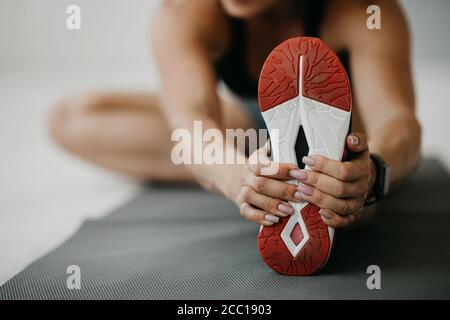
<point>383,90</point>
<point>184,40</point>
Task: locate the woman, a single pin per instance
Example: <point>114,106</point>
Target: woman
<point>197,43</point>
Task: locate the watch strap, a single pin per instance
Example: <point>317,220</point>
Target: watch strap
<point>380,187</point>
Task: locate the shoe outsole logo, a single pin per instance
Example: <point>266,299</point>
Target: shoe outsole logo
<point>303,83</point>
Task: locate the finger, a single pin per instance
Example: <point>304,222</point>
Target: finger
<point>335,220</point>
<point>272,205</point>
<point>357,142</point>
<point>258,216</point>
<point>331,185</point>
<point>274,188</point>
<point>279,171</point>
<point>326,201</point>
<point>345,171</point>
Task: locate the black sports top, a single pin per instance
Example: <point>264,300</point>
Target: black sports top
<point>231,68</point>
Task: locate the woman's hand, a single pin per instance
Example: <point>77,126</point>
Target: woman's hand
<point>262,195</point>
<point>339,188</point>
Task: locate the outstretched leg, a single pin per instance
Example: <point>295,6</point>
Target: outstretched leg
<point>126,133</point>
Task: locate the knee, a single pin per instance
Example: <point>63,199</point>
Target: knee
<point>66,119</point>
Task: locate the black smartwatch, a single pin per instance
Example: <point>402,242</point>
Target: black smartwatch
<point>381,185</point>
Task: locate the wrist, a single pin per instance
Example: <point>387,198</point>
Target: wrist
<point>227,179</point>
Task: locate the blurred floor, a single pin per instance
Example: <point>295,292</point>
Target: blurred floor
<point>46,194</point>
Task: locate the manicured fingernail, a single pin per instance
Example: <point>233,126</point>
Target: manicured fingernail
<point>298,196</point>
<point>308,161</point>
<point>285,208</point>
<point>325,214</point>
<point>298,174</point>
<point>353,140</point>
<point>271,218</point>
<point>305,189</point>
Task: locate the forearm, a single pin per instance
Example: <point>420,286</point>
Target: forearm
<point>398,142</point>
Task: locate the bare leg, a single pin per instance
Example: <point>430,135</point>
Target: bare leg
<point>126,133</point>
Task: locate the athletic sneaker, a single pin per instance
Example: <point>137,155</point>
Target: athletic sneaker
<point>304,92</point>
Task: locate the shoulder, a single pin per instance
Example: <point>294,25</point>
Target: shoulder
<point>191,21</point>
<point>345,24</point>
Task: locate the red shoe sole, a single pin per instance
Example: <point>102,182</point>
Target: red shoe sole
<point>303,85</point>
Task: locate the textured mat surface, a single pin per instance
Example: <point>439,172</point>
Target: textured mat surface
<point>185,243</point>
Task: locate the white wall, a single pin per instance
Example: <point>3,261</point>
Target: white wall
<point>117,29</point>
<point>34,31</point>
<point>430,24</point>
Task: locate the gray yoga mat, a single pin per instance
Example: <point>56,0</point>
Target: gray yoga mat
<point>184,243</point>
